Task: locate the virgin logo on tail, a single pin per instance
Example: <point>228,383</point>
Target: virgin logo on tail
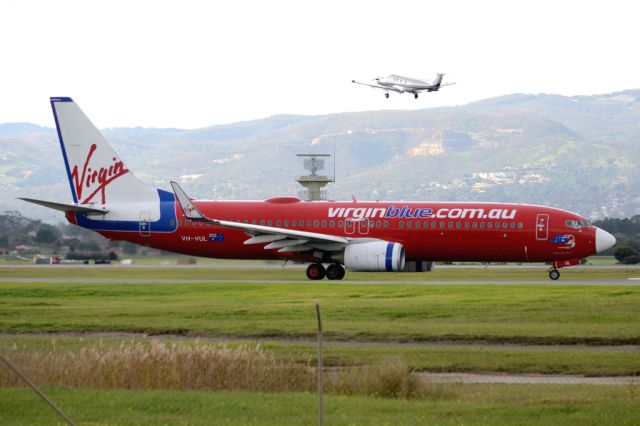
<point>96,179</point>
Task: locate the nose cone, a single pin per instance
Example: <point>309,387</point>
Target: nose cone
<point>604,240</point>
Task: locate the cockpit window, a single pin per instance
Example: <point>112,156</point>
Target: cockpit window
<point>577,223</point>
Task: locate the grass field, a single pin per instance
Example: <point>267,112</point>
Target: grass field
<point>585,361</point>
<point>370,319</point>
<point>529,314</point>
<point>449,405</point>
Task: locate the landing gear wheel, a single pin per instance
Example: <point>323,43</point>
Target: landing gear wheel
<point>315,271</point>
<point>386,95</point>
<point>554,274</point>
<point>335,271</point>
<point>415,95</point>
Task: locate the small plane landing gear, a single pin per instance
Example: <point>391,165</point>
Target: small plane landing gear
<point>335,271</point>
<point>316,271</point>
<point>415,95</point>
<point>554,274</point>
<point>386,95</point>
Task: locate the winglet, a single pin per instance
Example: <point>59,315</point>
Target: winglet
<point>189,210</point>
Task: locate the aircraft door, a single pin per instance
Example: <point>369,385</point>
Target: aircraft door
<point>349,226</point>
<point>542,226</point>
<point>145,224</point>
<point>363,226</point>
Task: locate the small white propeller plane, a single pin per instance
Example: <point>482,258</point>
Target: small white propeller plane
<point>401,84</point>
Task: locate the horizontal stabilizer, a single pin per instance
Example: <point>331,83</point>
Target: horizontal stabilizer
<point>66,207</point>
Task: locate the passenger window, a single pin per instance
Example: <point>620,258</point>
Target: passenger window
<point>245,221</point>
<point>450,225</point>
<point>467,225</point>
<point>332,224</point>
<point>278,223</point>
<point>340,224</point>
<point>385,224</point>
<point>378,223</point>
<point>458,225</point>
<point>254,222</point>
<point>270,223</point>
<point>324,223</point>
<point>489,225</point>
<point>294,222</point>
<point>308,224</point>
<point>262,222</point>
<point>481,225</point>
<point>475,225</point>
<point>286,222</point>
<point>426,224</point>
<point>505,225</point>
<point>316,223</point>
<point>441,225</point>
<point>418,224</point>
<point>520,225</point>
<point>512,225</point>
<point>409,224</point>
<point>401,224</point>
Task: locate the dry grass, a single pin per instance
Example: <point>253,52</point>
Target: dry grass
<point>391,379</point>
<point>160,365</point>
<point>200,366</point>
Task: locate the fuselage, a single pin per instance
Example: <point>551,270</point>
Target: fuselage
<point>407,83</point>
<point>360,236</point>
<point>433,231</point>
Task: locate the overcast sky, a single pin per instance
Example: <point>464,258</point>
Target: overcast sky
<point>192,64</point>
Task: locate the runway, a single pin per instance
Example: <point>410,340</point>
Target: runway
<point>631,282</point>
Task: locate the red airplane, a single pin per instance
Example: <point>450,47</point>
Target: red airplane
<point>361,236</point>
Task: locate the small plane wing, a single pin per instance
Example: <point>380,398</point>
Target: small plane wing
<point>377,86</point>
<point>66,207</point>
<point>286,240</point>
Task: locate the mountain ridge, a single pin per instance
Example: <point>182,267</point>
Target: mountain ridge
<point>579,153</point>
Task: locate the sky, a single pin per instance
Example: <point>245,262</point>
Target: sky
<point>191,64</point>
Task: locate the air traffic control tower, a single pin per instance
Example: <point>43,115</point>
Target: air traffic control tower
<point>314,184</point>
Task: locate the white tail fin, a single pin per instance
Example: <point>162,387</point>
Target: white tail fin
<point>437,82</point>
<point>97,174</point>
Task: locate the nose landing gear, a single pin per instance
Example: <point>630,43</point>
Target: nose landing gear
<point>554,274</point>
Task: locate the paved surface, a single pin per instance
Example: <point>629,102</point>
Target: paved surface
<point>545,282</point>
<point>526,379</point>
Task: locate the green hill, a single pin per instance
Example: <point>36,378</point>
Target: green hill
<point>578,153</point>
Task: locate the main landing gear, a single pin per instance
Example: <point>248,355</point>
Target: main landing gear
<point>386,95</point>
<point>316,271</point>
<point>554,274</point>
<point>415,95</point>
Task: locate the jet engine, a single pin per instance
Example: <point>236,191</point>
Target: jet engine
<point>374,256</point>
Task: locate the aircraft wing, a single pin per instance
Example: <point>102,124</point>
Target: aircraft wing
<point>285,240</point>
<point>377,86</point>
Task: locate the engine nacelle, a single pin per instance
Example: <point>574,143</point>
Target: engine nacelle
<point>374,256</point>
